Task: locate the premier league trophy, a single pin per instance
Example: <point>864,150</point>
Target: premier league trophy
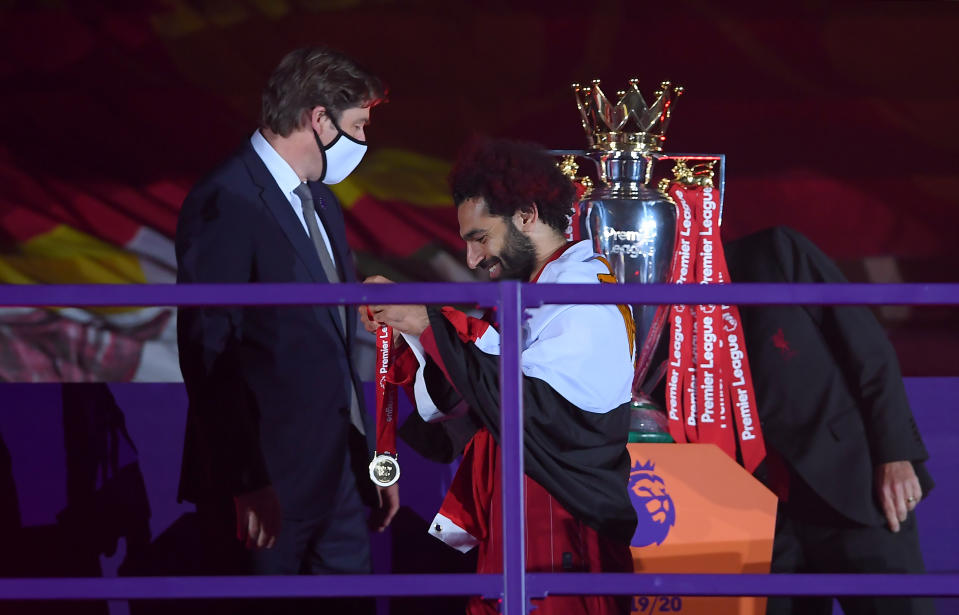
<point>632,224</point>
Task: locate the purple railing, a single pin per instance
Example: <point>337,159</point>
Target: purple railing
<point>515,586</point>
<point>94,295</point>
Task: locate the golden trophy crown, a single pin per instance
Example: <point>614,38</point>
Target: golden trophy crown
<point>629,124</point>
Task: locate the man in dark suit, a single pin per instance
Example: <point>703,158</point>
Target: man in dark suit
<point>844,454</point>
<point>274,445</point>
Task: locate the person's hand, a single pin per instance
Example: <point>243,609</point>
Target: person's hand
<point>411,319</point>
<point>366,314</point>
<point>898,491</point>
<point>258,518</point>
<point>389,502</point>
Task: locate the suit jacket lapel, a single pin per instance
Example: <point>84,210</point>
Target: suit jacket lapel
<point>277,203</point>
<point>331,216</point>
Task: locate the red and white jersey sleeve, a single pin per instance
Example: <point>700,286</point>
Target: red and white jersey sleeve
<point>425,405</point>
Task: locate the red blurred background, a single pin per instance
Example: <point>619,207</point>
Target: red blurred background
<point>838,119</point>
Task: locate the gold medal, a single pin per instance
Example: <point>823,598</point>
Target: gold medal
<point>384,470</point>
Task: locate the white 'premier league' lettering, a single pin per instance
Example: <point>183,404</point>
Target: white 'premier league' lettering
<point>384,347</point>
<point>384,341</point>
<point>611,233</point>
<point>709,341</point>
<point>629,243</point>
<point>675,362</point>
<point>742,395</point>
<point>706,231</point>
<point>691,406</point>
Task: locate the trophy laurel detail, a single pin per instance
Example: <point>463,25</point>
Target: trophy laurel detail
<point>632,224</point>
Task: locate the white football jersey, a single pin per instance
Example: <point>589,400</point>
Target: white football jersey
<point>583,352</point>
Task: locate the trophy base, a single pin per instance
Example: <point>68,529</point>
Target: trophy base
<point>649,438</point>
<point>647,421</point>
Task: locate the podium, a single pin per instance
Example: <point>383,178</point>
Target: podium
<point>699,512</point>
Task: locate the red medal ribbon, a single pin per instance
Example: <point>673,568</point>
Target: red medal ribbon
<point>739,379</point>
<point>682,426</point>
<point>386,394</point>
<point>708,377</point>
<point>709,373</point>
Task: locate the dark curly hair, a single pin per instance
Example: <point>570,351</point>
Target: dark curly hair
<point>316,76</point>
<point>511,176</point>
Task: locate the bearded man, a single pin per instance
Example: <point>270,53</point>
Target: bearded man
<point>577,363</point>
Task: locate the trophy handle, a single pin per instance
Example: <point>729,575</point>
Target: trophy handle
<point>568,165</point>
<point>717,176</point>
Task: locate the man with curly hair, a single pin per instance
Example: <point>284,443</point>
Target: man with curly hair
<point>577,363</point>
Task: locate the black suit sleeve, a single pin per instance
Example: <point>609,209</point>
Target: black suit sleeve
<point>215,244</point>
<point>861,348</point>
<point>441,441</point>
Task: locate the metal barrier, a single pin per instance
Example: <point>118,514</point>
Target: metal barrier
<point>515,586</point>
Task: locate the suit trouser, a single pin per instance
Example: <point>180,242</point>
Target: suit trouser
<point>813,538</point>
<point>336,542</point>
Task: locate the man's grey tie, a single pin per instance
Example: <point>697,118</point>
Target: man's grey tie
<point>329,268</point>
<point>309,214</point>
